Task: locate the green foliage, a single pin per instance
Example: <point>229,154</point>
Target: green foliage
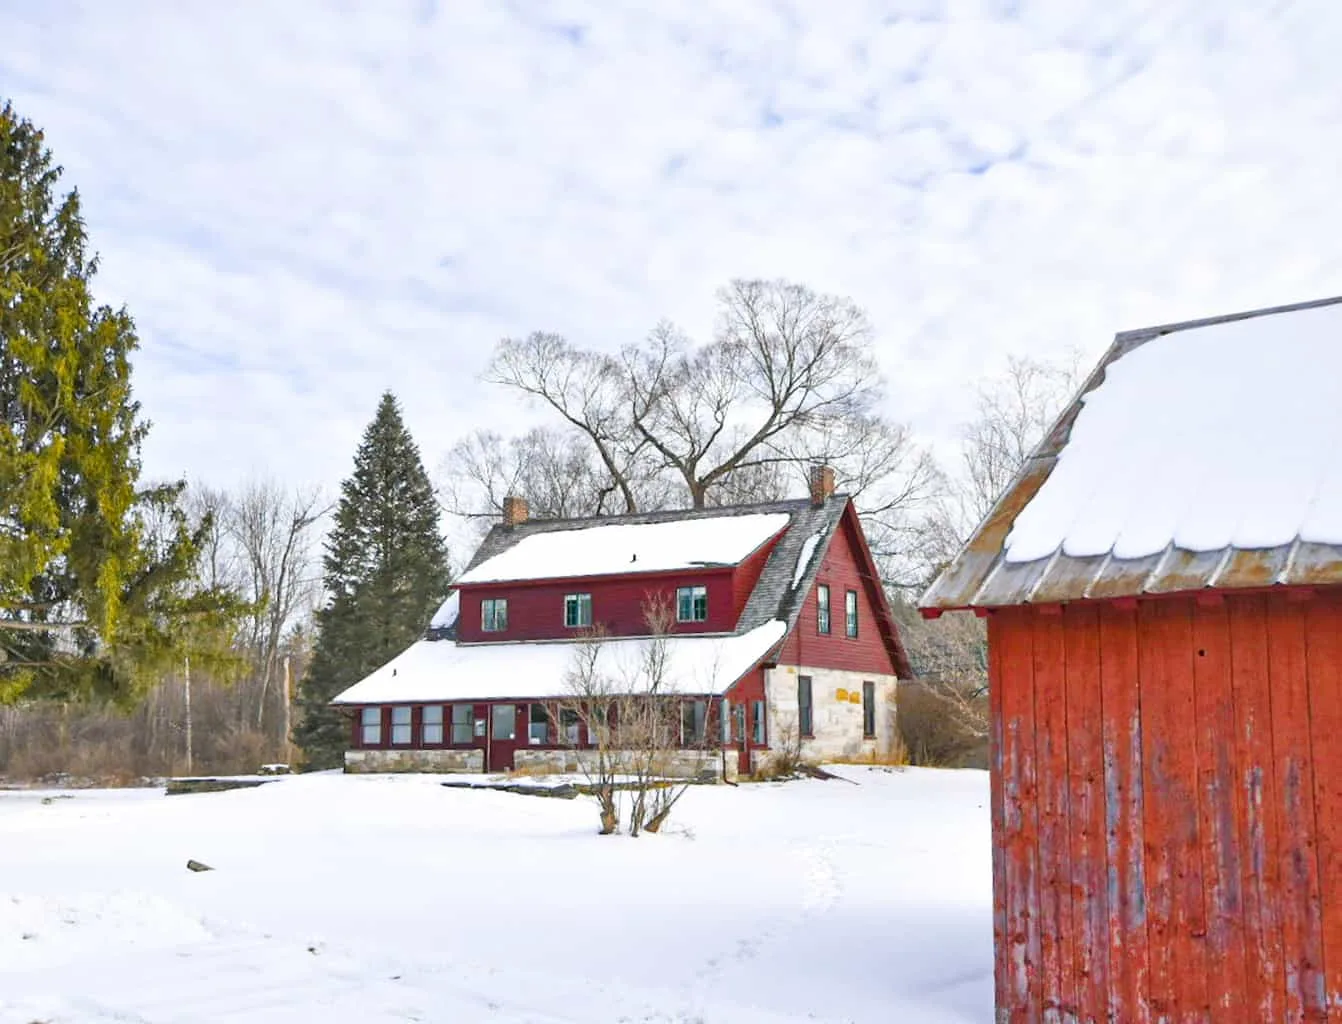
<point>386,572</point>
<point>95,570</point>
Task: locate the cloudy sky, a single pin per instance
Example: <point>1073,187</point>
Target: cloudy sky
<point>304,203</point>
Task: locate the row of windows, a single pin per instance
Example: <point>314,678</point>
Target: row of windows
<point>460,726</point>
<point>806,708</point>
<point>822,617</point>
<point>691,606</point>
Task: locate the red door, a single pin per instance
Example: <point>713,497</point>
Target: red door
<point>504,722</point>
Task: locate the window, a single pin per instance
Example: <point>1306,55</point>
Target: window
<point>505,721</point>
<point>850,612</point>
<point>691,604</point>
<point>868,710</point>
<point>822,608</point>
<point>431,725</point>
<point>757,721</point>
<point>693,717</point>
<point>400,726</point>
<point>725,720</point>
<point>462,721</point>
<point>371,733</point>
<point>805,720</point>
<point>577,610</point>
<point>568,726</point>
<point>538,730</point>
<point>494,614</point>
<point>598,725</point>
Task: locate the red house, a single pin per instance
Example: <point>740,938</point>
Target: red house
<point>1163,589</point>
<point>778,629</point>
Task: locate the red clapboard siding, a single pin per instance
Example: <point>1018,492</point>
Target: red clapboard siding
<point>806,645</point>
<point>745,576</point>
<point>1166,810</point>
<point>536,610</point>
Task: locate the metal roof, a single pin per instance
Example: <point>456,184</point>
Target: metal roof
<point>981,577</point>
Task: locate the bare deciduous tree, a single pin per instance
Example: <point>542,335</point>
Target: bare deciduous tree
<point>1014,411</point>
<point>787,381</point>
<point>639,723</point>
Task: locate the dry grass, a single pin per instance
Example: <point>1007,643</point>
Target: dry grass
<point>934,735</point>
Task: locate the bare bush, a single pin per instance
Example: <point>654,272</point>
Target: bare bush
<point>640,725</point>
<point>933,730</point>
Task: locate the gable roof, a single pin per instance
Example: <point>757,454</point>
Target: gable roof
<point>801,533</point>
<point>1200,455</point>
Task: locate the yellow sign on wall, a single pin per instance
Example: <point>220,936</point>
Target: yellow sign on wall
<point>855,698</point>
<point>841,694</point>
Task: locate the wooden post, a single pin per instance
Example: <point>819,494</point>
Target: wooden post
<point>285,749</point>
<point>186,695</point>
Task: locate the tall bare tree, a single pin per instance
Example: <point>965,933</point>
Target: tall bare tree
<point>788,379</point>
<point>272,529</point>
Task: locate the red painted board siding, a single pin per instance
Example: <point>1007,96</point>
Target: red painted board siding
<point>1085,762</point>
<point>806,645</point>
<point>1220,815</point>
<point>1302,919</point>
<point>1121,736</point>
<point>1002,992</point>
<point>1050,712</point>
<point>1213,729</point>
<point>536,610</point>
<point>1257,795</point>
<point>1323,618</point>
<point>1019,956</point>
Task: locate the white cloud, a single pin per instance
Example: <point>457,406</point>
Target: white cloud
<point>305,203</point>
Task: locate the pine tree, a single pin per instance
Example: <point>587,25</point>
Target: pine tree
<point>386,572</point>
<point>95,570</point>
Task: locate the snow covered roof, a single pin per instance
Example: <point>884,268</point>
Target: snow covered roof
<point>1206,454</point>
<point>443,670</point>
<point>594,547</point>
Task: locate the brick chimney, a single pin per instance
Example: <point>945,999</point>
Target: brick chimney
<point>515,510</point>
<point>822,484</point>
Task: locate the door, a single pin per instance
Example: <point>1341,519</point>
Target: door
<point>502,736</point>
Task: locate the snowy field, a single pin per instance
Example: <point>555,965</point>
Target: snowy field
<point>383,898</point>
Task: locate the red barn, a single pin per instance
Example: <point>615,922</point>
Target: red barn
<point>1163,591</point>
<point>778,628</point>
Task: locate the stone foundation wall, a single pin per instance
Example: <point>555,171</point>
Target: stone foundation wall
<point>685,764</point>
<point>836,718</point>
<point>415,760</point>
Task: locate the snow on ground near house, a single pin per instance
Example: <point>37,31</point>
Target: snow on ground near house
<point>442,670</point>
<point>630,547</point>
<point>1217,436</point>
<point>391,898</point>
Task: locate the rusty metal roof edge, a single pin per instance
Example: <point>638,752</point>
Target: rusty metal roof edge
<point>1141,334</point>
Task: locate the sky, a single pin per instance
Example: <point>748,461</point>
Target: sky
<point>305,203</point>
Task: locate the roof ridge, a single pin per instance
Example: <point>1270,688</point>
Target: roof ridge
<point>691,512</point>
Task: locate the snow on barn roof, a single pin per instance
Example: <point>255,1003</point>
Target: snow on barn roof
<point>595,548</point>
<point>1206,454</point>
<point>443,670</point>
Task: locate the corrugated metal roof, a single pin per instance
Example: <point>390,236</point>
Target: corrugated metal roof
<point>981,577</point>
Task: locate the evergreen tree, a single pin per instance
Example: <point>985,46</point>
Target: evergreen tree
<point>95,570</point>
<point>386,573</point>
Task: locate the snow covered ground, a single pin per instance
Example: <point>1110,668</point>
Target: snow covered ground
<point>391,898</point>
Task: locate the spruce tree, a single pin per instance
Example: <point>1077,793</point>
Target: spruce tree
<point>96,571</point>
<point>386,573</point>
